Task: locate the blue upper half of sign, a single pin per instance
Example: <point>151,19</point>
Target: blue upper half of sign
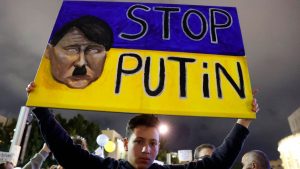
<point>163,27</point>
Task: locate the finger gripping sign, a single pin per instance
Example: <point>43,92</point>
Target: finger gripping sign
<point>145,58</point>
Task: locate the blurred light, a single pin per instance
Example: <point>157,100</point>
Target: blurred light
<point>120,145</point>
<point>185,155</point>
<point>158,162</point>
<point>99,152</point>
<point>102,139</point>
<point>110,146</point>
<point>163,129</point>
<point>289,148</point>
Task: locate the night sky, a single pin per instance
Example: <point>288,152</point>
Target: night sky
<point>271,35</point>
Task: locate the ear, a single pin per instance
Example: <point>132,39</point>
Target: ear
<point>253,165</point>
<point>48,51</point>
<point>125,141</point>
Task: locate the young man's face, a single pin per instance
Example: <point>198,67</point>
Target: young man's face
<point>142,146</point>
<point>75,60</point>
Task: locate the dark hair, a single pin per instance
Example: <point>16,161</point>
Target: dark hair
<point>4,164</point>
<point>148,120</point>
<point>202,146</point>
<point>92,27</point>
<point>260,158</point>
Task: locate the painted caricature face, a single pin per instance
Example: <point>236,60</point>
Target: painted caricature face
<point>75,60</point>
<point>142,147</point>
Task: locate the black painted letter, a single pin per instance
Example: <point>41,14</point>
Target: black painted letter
<point>240,90</point>
<point>161,84</point>
<point>120,69</point>
<point>214,25</point>
<point>140,21</point>
<point>205,85</point>
<point>166,19</point>
<point>186,28</point>
<point>182,75</point>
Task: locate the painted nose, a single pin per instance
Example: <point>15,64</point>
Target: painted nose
<point>81,60</point>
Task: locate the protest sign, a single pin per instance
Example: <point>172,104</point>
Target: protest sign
<point>145,58</point>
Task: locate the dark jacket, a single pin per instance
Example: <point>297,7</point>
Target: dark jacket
<point>71,156</point>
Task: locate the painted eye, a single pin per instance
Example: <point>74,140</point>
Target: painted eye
<point>93,51</point>
<point>72,50</point>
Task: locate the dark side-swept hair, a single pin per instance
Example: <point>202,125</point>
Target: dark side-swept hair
<point>148,120</point>
<point>202,146</point>
<point>94,28</point>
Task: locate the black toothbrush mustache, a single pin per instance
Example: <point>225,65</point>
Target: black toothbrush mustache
<point>79,71</point>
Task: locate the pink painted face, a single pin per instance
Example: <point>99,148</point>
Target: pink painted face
<point>75,60</point>
<point>142,147</point>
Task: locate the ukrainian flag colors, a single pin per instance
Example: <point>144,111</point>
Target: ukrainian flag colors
<point>166,59</point>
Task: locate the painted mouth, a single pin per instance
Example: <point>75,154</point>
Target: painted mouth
<point>80,77</point>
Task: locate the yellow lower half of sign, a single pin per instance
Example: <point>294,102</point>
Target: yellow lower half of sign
<point>156,82</point>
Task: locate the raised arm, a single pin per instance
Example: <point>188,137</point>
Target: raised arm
<point>246,122</point>
<point>225,155</point>
<point>38,159</point>
<point>60,143</point>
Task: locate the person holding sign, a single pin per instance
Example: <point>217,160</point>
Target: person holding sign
<point>141,143</point>
<point>77,51</point>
